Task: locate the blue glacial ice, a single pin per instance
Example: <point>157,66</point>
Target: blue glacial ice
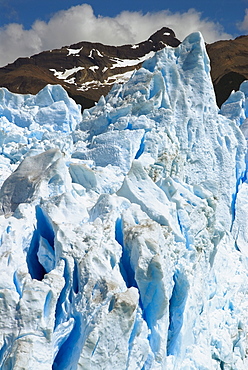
<point>123,233</point>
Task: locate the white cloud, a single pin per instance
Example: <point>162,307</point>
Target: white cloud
<point>80,24</point>
<point>182,24</point>
<point>243,26</point>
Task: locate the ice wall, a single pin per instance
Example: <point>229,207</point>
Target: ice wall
<point>123,231</point>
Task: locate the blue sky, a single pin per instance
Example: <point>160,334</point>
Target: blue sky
<point>28,27</point>
<point>227,12</point>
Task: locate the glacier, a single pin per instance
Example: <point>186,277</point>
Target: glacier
<point>124,239</point>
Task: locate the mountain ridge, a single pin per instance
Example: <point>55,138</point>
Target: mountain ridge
<point>86,70</point>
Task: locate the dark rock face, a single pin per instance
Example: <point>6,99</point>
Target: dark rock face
<point>229,65</point>
<point>86,70</point>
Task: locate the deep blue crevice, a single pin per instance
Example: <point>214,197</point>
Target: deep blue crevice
<point>222,365</point>
<point>71,296</point>
<point>68,354</point>
<point>17,283</point>
<point>5,362</point>
<point>240,180</point>
<point>44,229</point>
<point>75,278</point>
<point>35,269</point>
<point>244,178</point>
<point>62,311</point>
<point>44,226</point>
<point>125,265</point>
<point>179,223</point>
<point>46,254</point>
<point>3,353</point>
<point>126,269</point>
<point>141,148</point>
<point>111,304</point>
<point>236,246</point>
<point>8,230</point>
<point>234,200</point>
<point>176,310</point>
<point>152,312</point>
<point>233,207</point>
<point>185,233</point>
<point>47,304</point>
<point>118,232</point>
<point>94,349</point>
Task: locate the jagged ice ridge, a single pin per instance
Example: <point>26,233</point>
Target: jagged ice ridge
<point>124,230</point>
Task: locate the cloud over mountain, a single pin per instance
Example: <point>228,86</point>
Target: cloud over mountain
<point>243,26</point>
<point>79,23</point>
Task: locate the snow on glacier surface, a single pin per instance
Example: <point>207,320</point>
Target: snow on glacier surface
<point>124,230</point>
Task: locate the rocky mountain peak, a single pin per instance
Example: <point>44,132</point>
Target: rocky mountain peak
<point>86,70</point>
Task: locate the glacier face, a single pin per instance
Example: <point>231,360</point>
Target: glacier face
<point>124,230</point>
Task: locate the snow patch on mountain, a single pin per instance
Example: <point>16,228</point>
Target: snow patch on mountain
<point>75,52</point>
<point>67,72</point>
<point>123,230</point>
<point>94,51</point>
<point>120,63</point>
<point>94,68</point>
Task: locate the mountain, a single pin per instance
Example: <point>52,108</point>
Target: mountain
<point>124,229</point>
<point>229,67</point>
<point>86,70</point>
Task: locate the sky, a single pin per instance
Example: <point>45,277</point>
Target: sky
<point>28,27</point>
